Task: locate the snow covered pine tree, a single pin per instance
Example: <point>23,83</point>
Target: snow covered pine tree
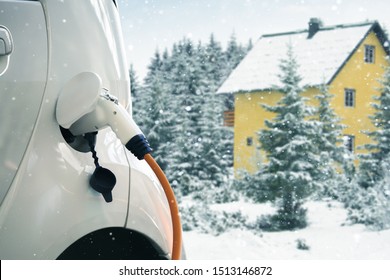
<point>368,202</point>
<point>333,154</point>
<point>370,171</point>
<point>291,172</point>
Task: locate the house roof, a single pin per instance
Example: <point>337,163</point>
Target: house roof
<point>319,57</point>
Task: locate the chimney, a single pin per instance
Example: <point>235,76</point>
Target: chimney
<point>314,25</point>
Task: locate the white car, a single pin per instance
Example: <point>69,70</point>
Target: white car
<point>48,210</point>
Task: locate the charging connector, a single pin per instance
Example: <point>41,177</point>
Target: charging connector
<point>139,146</point>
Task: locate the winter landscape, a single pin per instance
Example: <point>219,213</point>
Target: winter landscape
<point>328,237</point>
<point>315,193</point>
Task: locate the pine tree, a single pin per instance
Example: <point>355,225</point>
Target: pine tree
<point>289,141</point>
<point>369,169</point>
<point>151,110</point>
<point>216,140</point>
<point>332,151</point>
<point>214,62</point>
<point>371,206</point>
<point>234,53</point>
<point>368,202</point>
<point>187,89</point>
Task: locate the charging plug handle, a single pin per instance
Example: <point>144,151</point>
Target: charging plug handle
<point>139,146</point>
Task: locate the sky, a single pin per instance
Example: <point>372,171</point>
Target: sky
<point>150,25</point>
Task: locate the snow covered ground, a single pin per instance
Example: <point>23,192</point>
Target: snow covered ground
<point>327,236</point>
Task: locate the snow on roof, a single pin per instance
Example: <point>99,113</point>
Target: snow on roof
<point>319,58</point>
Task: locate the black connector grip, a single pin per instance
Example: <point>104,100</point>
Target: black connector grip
<point>139,146</point>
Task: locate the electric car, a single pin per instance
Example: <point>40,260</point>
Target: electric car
<point>58,58</point>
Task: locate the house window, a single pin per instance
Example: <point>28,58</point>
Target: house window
<point>249,141</point>
<point>349,97</point>
<point>349,142</point>
<point>369,54</point>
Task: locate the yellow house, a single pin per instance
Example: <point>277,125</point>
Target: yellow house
<point>349,58</point>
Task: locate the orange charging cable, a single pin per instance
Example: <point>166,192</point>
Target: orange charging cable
<point>176,223</point>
